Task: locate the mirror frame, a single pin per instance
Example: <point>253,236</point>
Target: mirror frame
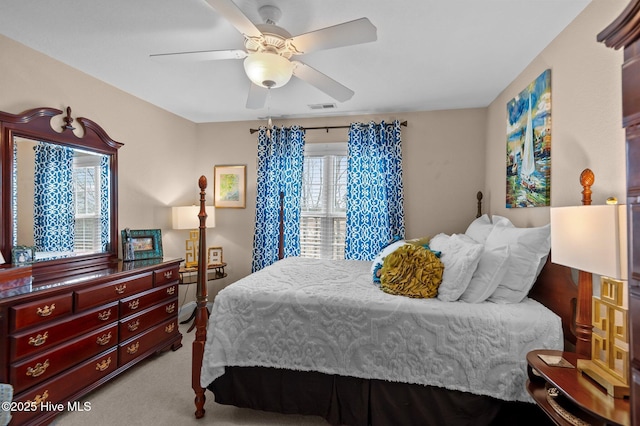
<point>37,124</point>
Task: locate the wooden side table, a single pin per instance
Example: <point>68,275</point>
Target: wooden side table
<point>579,401</point>
<point>189,276</point>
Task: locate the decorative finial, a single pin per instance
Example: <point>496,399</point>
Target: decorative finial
<point>587,178</point>
<point>68,120</point>
<point>202,182</point>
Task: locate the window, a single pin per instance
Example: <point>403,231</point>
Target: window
<point>324,201</point>
<point>86,187</point>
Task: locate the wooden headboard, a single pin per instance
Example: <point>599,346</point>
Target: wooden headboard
<point>556,289</point>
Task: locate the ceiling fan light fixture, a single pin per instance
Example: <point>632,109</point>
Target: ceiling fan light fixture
<point>268,70</point>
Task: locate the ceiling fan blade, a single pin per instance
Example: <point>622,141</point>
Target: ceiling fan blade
<point>346,34</point>
<point>257,96</point>
<point>203,55</point>
<point>322,82</point>
<point>232,13</point>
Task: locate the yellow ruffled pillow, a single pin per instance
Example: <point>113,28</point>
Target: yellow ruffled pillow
<point>412,271</point>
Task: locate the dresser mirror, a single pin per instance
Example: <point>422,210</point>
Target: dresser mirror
<point>59,191</point>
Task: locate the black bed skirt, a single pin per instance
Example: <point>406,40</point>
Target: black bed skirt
<point>363,402</point>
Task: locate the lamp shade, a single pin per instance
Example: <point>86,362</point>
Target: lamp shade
<point>187,217</point>
<point>591,239</point>
<point>268,69</point>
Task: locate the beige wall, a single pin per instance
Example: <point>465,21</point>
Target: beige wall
<point>586,113</point>
<point>448,155</point>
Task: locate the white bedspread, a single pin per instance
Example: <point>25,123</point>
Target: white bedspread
<point>289,315</point>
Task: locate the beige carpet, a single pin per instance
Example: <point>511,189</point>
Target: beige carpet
<point>158,392</point>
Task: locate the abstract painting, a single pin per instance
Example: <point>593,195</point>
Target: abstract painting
<point>229,186</point>
<point>529,145</point>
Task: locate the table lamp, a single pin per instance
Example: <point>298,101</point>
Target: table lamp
<point>593,239</point>
<point>187,218</point>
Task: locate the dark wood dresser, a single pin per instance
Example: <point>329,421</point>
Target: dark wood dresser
<point>62,339</point>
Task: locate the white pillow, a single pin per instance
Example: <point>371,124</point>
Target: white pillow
<point>480,229</point>
<point>528,248</point>
<point>501,220</point>
<point>460,256</point>
<point>490,272</point>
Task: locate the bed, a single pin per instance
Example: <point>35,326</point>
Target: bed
<point>285,340</point>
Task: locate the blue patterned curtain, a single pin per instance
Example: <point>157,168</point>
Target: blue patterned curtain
<point>280,161</point>
<point>105,196</point>
<point>54,218</point>
<point>375,211</point>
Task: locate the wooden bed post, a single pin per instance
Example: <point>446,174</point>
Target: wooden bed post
<point>584,327</point>
<point>202,315</point>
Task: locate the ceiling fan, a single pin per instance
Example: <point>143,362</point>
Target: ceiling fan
<point>269,48</point>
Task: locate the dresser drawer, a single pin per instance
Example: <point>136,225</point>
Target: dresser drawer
<point>166,275</point>
<point>137,303</point>
<point>146,319</point>
<point>105,293</point>
<point>63,386</point>
<point>28,314</point>
<point>45,337</point>
<point>36,369</point>
<point>140,344</point>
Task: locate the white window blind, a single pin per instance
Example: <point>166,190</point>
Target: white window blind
<point>324,201</point>
<point>86,183</point>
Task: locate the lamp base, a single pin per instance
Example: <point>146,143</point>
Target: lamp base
<point>614,386</point>
<point>191,245</point>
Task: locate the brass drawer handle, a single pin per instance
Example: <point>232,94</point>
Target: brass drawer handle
<point>38,369</point>
<point>104,339</point>
<point>133,348</point>
<point>38,399</point>
<point>120,288</point>
<point>104,315</point>
<point>169,329</point>
<point>171,290</point>
<point>133,305</point>
<point>168,274</point>
<point>133,326</point>
<point>104,364</point>
<point>39,339</point>
<point>170,308</point>
<point>46,311</point>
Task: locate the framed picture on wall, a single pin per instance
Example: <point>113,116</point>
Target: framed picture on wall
<point>229,186</point>
<point>529,145</point>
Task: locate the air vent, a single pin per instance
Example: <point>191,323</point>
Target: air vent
<point>322,106</point>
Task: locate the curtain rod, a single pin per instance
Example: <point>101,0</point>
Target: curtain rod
<point>327,128</point>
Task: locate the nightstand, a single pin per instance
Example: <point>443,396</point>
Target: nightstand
<point>189,276</point>
<point>570,398</point>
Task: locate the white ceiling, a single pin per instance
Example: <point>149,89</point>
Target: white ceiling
<point>430,54</point>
